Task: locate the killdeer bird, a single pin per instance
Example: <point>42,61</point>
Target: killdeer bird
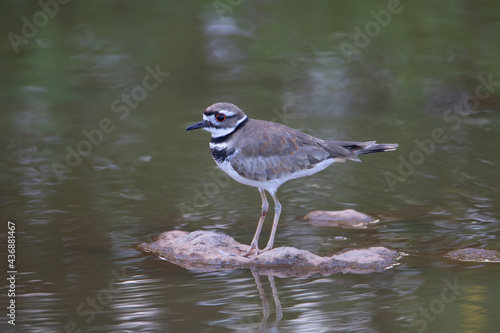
<point>264,154</point>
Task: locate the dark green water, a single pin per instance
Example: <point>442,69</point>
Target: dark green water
<point>119,81</point>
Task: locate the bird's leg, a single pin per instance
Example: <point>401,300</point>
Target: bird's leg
<point>255,240</point>
<point>277,212</point>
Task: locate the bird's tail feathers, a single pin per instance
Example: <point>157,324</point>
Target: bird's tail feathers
<point>362,148</point>
<point>377,148</point>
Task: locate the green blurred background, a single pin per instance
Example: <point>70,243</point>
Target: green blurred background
<point>412,68</point>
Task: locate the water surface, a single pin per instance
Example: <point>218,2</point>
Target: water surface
<point>120,81</point>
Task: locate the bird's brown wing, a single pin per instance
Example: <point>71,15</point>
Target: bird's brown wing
<point>268,154</point>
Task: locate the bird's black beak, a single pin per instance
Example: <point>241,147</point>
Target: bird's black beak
<point>201,124</point>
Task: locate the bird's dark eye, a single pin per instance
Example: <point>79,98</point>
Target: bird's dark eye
<point>220,117</point>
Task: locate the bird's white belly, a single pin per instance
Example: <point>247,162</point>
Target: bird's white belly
<point>272,185</point>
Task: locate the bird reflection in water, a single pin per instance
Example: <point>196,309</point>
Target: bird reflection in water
<point>266,312</point>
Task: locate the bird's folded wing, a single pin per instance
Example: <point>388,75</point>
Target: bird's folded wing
<point>276,154</point>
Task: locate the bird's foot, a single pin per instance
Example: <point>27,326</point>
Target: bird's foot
<point>267,248</point>
<point>252,247</point>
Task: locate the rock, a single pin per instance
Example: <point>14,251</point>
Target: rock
<point>348,218</point>
<point>208,251</point>
<point>479,255</point>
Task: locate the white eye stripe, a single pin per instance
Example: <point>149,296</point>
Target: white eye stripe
<point>211,118</point>
<point>227,113</point>
<point>218,129</point>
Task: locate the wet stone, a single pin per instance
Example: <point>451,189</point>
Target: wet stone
<point>209,251</point>
<point>348,218</point>
<point>478,255</point>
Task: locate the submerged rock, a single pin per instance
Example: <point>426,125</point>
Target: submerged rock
<point>479,255</point>
<point>347,218</point>
<point>208,251</point>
